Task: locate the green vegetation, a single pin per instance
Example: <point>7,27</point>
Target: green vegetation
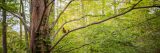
<point>86,26</point>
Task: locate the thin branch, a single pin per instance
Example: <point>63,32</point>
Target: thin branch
<point>138,23</point>
<point>94,23</point>
<point>118,31</point>
<point>53,24</point>
<point>78,47</point>
<point>22,20</point>
<point>146,7</point>
<point>50,3</point>
<point>73,21</point>
<point>113,32</point>
<point>64,24</point>
<point>19,17</point>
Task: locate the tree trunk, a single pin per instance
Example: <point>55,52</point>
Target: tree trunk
<point>4,30</point>
<point>20,25</point>
<point>25,29</point>
<point>39,42</point>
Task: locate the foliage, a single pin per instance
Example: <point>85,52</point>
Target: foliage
<point>135,32</point>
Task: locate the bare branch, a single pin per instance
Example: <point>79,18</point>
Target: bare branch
<point>94,23</point>
<point>22,20</point>
<point>19,17</point>
<point>96,16</point>
<point>53,24</point>
<point>73,21</point>
<point>146,7</point>
<point>63,26</point>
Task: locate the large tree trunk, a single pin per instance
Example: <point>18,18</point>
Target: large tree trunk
<point>39,42</point>
<point>4,30</point>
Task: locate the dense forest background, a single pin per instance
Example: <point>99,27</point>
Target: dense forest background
<point>80,26</point>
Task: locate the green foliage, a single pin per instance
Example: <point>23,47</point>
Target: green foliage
<point>129,33</point>
<point>134,32</point>
<point>10,6</point>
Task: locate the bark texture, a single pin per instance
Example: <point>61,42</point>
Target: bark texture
<point>39,42</point>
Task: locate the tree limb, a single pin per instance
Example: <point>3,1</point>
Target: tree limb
<point>146,7</point>
<point>53,23</point>
<point>19,17</point>
<point>118,31</point>
<point>94,23</point>
<point>50,3</point>
<point>111,33</point>
<point>63,26</point>
<point>22,20</point>
<point>73,21</point>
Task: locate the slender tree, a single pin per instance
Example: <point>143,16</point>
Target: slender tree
<point>20,32</point>
<point>24,17</point>
<point>4,29</point>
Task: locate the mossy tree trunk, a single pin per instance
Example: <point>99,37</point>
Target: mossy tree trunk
<point>39,30</point>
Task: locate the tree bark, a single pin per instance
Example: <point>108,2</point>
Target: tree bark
<point>25,29</point>
<point>20,25</point>
<point>4,30</point>
<point>39,42</point>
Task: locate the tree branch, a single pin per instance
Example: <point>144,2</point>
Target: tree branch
<point>118,31</point>
<point>138,23</point>
<point>63,26</point>
<point>94,23</point>
<point>50,3</point>
<point>19,17</point>
<point>146,7</point>
<point>73,21</point>
<point>22,20</point>
<point>53,23</point>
